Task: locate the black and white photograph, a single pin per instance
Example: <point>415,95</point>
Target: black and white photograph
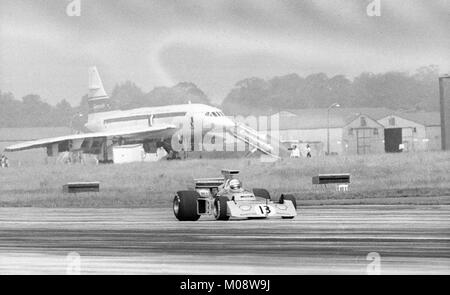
<point>205,138</point>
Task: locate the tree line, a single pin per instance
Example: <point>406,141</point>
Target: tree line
<point>395,90</point>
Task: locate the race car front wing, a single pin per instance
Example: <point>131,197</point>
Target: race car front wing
<point>261,210</point>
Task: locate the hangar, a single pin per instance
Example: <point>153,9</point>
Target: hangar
<point>411,131</point>
<point>360,130</point>
<point>351,130</point>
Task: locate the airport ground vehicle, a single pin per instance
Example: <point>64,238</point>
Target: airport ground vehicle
<point>221,198</point>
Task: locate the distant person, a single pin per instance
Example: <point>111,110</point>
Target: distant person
<point>295,153</point>
<point>308,151</point>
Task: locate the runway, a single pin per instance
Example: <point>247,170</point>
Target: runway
<point>321,240</point>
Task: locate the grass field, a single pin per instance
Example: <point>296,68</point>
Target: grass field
<point>408,178</point>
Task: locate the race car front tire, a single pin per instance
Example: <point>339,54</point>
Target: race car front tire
<point>261,193</point>
<point>220,208</point>
<point>289,198</point>
<point>185,206</point>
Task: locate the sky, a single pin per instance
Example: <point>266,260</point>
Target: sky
<point>213,44</point>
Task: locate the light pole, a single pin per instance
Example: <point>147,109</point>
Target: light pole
<point>444,105</point>
<point>328,125</point>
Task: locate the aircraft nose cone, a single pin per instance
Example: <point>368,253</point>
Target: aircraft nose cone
<point>227,122</point>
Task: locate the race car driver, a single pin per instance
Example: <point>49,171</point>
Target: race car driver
<point>232,185</point>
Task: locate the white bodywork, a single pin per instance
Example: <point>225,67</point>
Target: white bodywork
<point>110,128</point>
<point>257,209</point>
<point>241,203</point>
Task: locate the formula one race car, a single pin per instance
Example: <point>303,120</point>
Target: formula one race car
<point>224,198</point>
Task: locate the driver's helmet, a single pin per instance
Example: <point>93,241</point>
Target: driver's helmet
<point>235,184</point>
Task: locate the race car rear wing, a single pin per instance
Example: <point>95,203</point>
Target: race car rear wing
<point>209,182</point>
<point>215,181</point>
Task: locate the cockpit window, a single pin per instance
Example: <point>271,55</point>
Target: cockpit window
<point>214,114</point>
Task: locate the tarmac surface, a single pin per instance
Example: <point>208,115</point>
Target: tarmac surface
<point>320,240</point>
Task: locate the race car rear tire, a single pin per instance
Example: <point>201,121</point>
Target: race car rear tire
<point>185,206</point>
<point>290,198</point>
<point>261,193</point>
<point>220,208</point>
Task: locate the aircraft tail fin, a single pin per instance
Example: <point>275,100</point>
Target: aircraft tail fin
<point>98,99</point>
<point>96,89</point>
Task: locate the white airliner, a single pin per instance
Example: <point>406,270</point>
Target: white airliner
<point>149,125</point>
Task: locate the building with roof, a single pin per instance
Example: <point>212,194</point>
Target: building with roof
<point>411,131</point>
<point>351,130</point>
<point>359,130</point>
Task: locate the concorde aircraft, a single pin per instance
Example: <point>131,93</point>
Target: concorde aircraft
<point>148,125</point>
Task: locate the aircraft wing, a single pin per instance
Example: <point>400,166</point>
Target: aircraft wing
<point>138,134</point>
